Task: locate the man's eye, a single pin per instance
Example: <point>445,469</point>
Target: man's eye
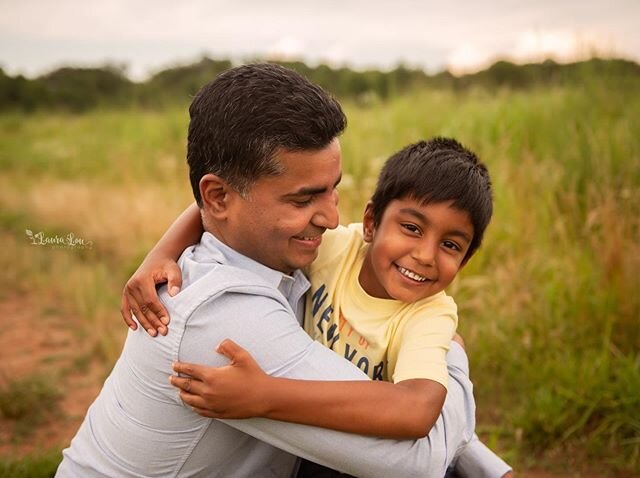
<point>302,202</point>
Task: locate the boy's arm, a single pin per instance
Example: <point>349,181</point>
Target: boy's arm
<point>283,349</point>
<point>375,457</point>
<point>406,409</point>
<point>139,295</point>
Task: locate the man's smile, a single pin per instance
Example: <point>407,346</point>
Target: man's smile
<point>309,241</point>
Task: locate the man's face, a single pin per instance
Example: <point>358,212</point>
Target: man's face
<point>281,221</point>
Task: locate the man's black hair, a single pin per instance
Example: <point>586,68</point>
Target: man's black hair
<point>241,119</point>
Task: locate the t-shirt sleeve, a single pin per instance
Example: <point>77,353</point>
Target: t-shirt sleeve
<point>422,343</point>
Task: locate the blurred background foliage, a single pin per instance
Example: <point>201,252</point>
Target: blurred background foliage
<point>81,89</point>
<point>549,307</point>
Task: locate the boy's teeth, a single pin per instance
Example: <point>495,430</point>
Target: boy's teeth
<point>411,274</point>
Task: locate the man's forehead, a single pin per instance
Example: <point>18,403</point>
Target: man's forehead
<point>311,167</point>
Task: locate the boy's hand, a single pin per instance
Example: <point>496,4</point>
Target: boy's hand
<point>232,391</point>
<point>140,296</point>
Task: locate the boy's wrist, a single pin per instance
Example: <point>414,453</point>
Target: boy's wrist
<point>267,391</point>
<point>162,252</point>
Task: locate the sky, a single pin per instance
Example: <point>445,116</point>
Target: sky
<point>146,36</point>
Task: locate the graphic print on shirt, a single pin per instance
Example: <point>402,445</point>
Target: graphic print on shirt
<point>340,336</point>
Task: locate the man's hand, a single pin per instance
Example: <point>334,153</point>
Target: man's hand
<point>140,296</point>
<point>236,390</point>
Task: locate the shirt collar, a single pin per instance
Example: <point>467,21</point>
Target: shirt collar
<point>213,249</point>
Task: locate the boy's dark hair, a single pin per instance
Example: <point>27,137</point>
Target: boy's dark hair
<point>438,170</point>
<point>243,117</point>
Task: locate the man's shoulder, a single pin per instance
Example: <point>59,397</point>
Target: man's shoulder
<point>221,279</point>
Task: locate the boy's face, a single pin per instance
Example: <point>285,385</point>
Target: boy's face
<point>281,221</point>
<point>416,250</point>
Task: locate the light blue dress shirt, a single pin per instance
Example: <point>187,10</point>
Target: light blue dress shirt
<point>138,426</point>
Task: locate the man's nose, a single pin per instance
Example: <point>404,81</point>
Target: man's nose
<point>327,214</point>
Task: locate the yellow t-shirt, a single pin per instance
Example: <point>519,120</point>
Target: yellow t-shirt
<point>387,339</point>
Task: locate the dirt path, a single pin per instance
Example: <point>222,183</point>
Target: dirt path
<point>36,343</point>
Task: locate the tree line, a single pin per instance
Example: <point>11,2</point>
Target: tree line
<point>82,89</point>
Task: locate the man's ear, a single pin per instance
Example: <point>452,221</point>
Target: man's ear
<point>216,194</point>
<point>368,224</point>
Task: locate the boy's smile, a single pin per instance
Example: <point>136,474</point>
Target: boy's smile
<point>415,251</point>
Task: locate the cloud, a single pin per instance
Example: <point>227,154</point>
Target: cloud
<point>286,48</point>
<point>464,35</point>
<point>559,45</point>
<point>467,58</point>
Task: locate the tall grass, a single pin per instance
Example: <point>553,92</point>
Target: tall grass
<point>549,307</point>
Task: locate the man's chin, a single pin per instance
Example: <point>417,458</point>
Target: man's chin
<point>303,260</point>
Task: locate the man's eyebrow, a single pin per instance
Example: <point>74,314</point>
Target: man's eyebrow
<point>421,217</point>
<point>310,191</point>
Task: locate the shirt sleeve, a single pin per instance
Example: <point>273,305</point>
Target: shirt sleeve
<point>476,460</point>
<point>422,345</point>
<point>277,342</point>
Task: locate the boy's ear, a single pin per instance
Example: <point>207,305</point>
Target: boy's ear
<point>368,227</point>
<point>216,195</point>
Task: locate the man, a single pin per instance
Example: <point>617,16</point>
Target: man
<point>264,163</point>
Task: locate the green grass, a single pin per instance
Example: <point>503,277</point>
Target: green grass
<point>28,401</point>
<point>42,465</point>
<point>549,307</point>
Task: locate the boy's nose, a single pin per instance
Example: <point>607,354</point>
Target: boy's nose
<point>425,254</point>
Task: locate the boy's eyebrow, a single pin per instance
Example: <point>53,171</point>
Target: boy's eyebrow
<point>312,191</point>
<point>418,215</point>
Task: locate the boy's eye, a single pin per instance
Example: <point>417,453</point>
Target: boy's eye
<point>410,227</point>
<point>451,245</point>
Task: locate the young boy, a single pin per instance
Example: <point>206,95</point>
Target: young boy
<point>377,298</point>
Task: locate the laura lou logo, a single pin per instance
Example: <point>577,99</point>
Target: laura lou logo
<point>70,241</point>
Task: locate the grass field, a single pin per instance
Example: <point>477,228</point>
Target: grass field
<point>549,307</point>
